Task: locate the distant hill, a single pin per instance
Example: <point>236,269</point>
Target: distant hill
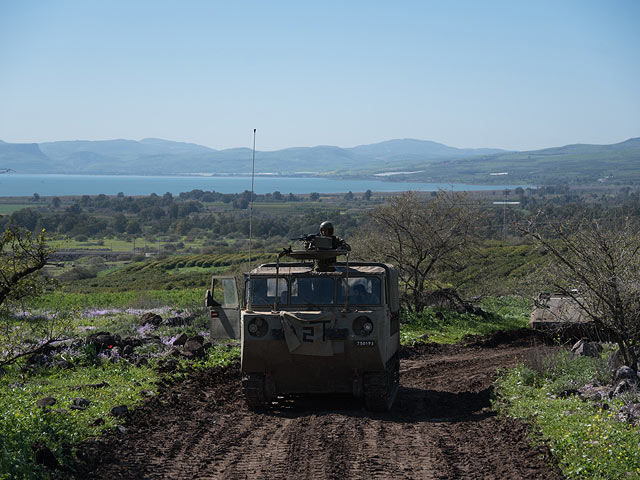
<point>156,156</point>
<point>391,159</point>
<point>22,157</point>
<point>578,164</point>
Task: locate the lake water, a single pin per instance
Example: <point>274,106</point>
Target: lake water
<point>26,185</point>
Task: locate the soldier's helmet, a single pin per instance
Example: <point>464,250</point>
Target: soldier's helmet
<point>326,229</point>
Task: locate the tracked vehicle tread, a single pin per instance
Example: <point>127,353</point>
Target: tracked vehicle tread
<point>381,388</point>
<point>253,387</point>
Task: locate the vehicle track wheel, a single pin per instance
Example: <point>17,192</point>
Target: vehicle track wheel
<point>381,388</point>
<point>253,387</point>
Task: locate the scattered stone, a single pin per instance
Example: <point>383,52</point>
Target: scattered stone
<point>174,321</point>
<point>181,340</point>
<point>127,350</point>
<point>61,411</point>
<point>121,429</point>
<point>167,365</point>
<point>623,387</point>
<point>44,456</point>
<point>97,385</point>
<point>116,352</point>
<point>36,360</point>
<point>80,403</point>
<point>630,413</point>
<point>152,318</point>
<point>97,422</point>
<point>595,392</point>
<point>584,348</point>
<point>62,363</point>
<point>132,341</point>
<point>568,392</point>
<point>174,352</point>
<point>626,373</point>
<point>120,411</point>
<point>103,340</point>
<point>194,346</point>
<point>46,402</point>
<point>141,362</point>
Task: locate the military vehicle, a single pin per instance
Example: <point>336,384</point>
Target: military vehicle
<point>313,325</point>
<point>555,310</point>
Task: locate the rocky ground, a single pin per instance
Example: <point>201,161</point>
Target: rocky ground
<point>441,427</point>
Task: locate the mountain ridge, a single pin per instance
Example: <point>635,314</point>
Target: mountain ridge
<point>428,160</point>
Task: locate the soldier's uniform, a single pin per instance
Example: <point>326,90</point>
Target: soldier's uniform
<point>337,243</point>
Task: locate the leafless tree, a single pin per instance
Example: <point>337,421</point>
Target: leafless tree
<point>22,256</point>
<point>597,265</point>
<point>425,239</point>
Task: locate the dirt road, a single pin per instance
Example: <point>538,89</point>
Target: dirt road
<point>441,427</point>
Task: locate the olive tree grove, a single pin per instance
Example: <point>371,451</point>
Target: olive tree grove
<point>426,239</point>
<point>598,265</point>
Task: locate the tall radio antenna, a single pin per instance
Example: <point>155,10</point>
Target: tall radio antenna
<point>253,171</point>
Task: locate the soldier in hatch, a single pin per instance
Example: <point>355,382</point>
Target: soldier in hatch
<point>337,243</point>
<point>326,230</point>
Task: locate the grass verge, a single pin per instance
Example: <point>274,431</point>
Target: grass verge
<point>589,439</point>
<point>448,326</point>
<point>104,383</point>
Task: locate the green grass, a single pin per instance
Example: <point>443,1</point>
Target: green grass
<point>9,208</point>
<point>62,300</point>
<point>116,244</point>
<point>22,422</point>
<point>587,440</point>
<point>447,326</point>
<point>170,273</point>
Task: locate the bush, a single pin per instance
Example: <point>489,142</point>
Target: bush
<point>78,273</point>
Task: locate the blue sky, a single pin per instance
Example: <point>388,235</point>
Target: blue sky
<point>506,74</point>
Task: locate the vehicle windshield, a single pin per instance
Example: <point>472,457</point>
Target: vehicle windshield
<point>316,290</point>
<point>362,290</point>
<point>312,291</point>
<point>262,291</point>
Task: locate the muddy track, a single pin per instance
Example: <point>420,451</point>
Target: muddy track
<point>441,427</point>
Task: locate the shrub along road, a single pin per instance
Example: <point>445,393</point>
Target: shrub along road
<point>441,427</point>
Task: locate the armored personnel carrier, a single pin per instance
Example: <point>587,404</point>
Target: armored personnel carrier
<point>313,325</point>
<point>553,311</point>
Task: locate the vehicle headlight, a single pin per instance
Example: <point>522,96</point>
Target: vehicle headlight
<point>258,327</point>
<point>363,326</point>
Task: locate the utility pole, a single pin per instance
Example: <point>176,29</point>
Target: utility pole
<point>504,214</point>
